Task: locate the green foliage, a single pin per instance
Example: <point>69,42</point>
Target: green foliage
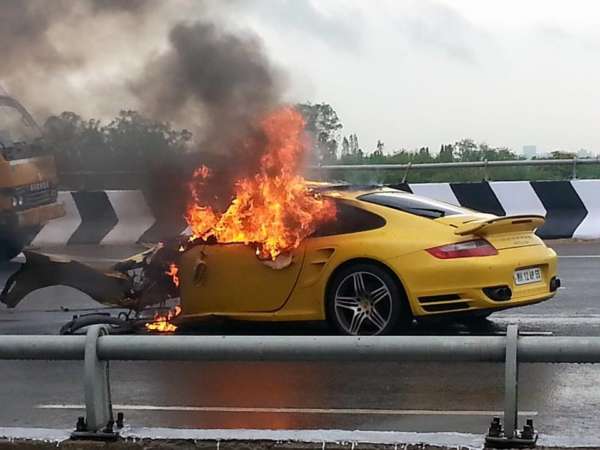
<point>129,142</point>
<point>465,150</point>
<point>132,143</point>
<point>323,125</point>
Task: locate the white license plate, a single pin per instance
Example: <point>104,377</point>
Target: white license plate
<point>526,276</point>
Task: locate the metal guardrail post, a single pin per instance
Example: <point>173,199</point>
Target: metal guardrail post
<point>486,175</point>
<point>511,382</point>
<point>574,177</point>
<point>405,177</point>
<point>511,436</point>
<point>99,421</point>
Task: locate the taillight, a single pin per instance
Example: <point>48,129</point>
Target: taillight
<point>467,249</point>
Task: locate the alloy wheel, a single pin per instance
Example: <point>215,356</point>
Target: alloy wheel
<point>363,304</point>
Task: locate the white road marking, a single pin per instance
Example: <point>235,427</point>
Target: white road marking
<point>353,411</point>
<point>551,319</point>
<point>400,439</point>
<point>320,437</point>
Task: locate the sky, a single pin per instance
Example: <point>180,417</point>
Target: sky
<point>427,72</point>
<point>410,73</point>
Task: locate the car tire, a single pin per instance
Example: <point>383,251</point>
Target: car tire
<point>476,318</point>
<point>365,299</point>
<point>477,322</point>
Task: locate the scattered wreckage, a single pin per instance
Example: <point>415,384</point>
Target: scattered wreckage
<point>144,289</point>
<point>144,286</point>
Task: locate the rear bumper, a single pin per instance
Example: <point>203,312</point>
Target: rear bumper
<point>441,287</point>
<point>39,215</point>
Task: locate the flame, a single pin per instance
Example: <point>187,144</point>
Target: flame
<point>273,210</point>
<point>173,273</point>
<point>162,322</point>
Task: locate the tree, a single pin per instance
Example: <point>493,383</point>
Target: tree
<point>424,156</point>
<point>355,149</point>
<point>379,150</point>
<point>130,142</point>
<point>446,153</point>
<point>345,148</point>
<point>467,150</point>
<point>323,125</point>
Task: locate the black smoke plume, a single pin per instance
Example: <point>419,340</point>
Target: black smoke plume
<point>214,82</point>
<point>199,76</point>
<point>196,74</point>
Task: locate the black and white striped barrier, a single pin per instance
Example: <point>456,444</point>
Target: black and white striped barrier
<point>572,210</point>
<point>108,218</point>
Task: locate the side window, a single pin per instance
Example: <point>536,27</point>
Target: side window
<point>413,204</point>
<point>349,219</point>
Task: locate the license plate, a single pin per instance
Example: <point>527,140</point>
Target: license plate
<point>526,276</point>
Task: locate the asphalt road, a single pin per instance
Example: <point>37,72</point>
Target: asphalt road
<point>562,399</point>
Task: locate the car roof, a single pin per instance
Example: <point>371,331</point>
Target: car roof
<point>347,190</point>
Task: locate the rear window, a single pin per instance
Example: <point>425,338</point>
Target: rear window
<point>413,204</point>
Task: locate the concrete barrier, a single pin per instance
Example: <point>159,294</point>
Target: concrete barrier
<point>59,231</point>
<point>571,208</point>
<point>589,193</point>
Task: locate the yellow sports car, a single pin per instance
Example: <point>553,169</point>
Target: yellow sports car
<point>389,257</point>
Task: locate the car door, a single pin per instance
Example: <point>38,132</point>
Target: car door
<point>229,278</point>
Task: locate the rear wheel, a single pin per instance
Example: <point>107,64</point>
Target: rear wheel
<point>364,299</point>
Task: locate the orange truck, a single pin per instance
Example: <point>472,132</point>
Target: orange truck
<point>28,179</point>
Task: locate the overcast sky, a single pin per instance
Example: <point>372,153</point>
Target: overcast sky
<point>427,72</point>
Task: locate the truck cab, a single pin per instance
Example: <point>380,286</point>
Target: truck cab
<point>28,179</point>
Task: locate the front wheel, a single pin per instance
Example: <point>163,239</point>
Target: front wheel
<point>364,299</point>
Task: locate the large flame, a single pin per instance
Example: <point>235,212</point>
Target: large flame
<point>272,210</point>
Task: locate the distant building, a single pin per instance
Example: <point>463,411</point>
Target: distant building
<point>529,151</point>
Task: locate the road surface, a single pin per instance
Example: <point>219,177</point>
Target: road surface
<point>428,397</point>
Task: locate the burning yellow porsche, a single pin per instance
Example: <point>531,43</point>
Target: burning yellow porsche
<point>388,258</point>
<point>365,259</point>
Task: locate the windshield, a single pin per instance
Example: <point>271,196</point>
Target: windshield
<point>414,204</point>
<point>14,127</point>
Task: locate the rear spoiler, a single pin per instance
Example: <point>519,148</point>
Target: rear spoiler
<point>501,225</point>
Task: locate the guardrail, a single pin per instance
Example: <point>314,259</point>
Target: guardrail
<point>128,179</point>
<point>97,348</point>
<point>484,164</point>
